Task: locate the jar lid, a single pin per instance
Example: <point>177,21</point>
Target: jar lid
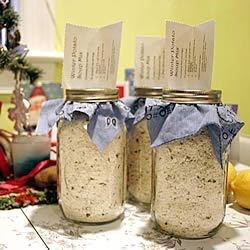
<point>192,96</point>
<point>154,92</point>
<point>91,95</point>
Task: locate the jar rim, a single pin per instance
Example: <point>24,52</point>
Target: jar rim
<point>92,95</point>
<point>192,96</point>
<point>152,92</point>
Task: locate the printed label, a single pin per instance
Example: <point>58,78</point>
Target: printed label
<point>150,62</point>
<point>91,56</point>
<point>189,55</point>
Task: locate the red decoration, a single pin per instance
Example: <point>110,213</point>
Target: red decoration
<point>24,198</point>
<point>120,91</point>
<point>17,185</point>
<point>37,91</point>
<point>4,168</point>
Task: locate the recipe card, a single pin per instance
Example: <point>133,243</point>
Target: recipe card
<point>91,56</point>
<point>150,62</point>
<point>190,55</point>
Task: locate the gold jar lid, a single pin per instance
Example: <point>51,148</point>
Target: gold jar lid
<point>192,96</point>
<point>91,95</point>
<point>155,92</point>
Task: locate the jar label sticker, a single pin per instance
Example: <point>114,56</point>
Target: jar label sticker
<point>91,56</point>
<point>189,55</point>
<point>150,62</point>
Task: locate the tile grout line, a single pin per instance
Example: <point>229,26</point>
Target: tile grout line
<point>34,229</point>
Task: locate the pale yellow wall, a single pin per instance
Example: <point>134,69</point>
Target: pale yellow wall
<point>147,17</point>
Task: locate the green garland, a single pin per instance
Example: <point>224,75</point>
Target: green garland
<point>13,63</point>
<point>5,59</point>
<point>10,58</point>
<point>9,19</point>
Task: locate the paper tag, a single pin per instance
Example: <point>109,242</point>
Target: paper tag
<point>150,62</point>
<point>189,55</point>
<point>91,56</point>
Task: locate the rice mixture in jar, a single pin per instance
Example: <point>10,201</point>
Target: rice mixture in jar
<point>189,183</point>
<point>140,154</point>
<point>189,195</point>
<point>91,182</point>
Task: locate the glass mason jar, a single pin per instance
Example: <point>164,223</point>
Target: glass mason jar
<point>140,154</point>
<point>189,183</point>
<point>91,182</point>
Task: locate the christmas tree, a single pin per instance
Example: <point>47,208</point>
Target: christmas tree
<point>13,58</point>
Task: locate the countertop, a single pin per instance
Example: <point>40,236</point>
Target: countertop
<point>44,227</point>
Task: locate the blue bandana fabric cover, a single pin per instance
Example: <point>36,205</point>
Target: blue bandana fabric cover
<point>106,120</point>
<point>137,106</point>
<point>168,122</point>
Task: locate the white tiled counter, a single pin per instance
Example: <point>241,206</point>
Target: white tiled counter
<point>44,227</point>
